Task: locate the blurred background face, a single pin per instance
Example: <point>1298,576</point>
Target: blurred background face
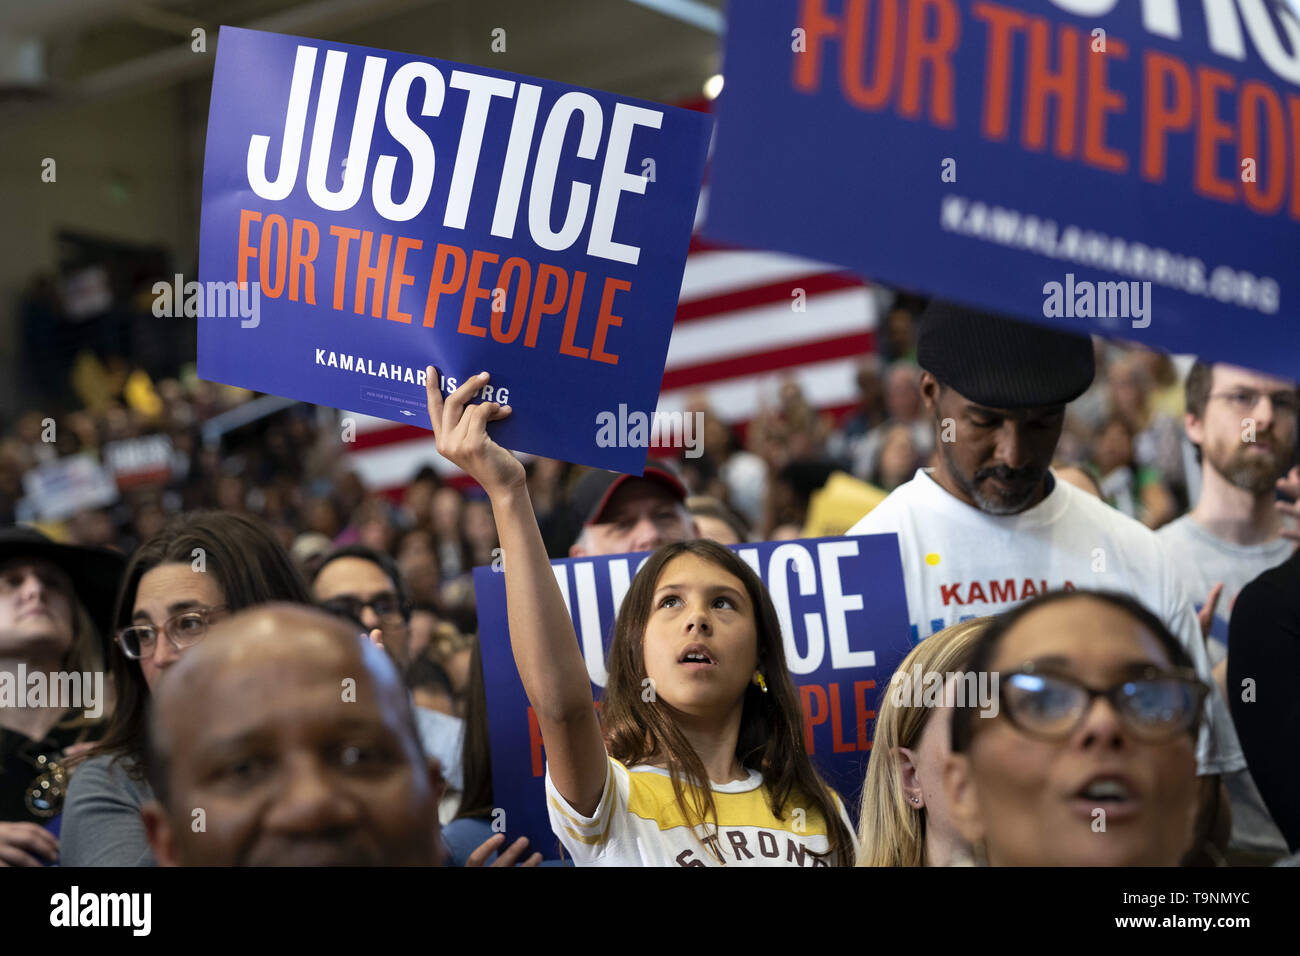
<point>1114,448</point>
<point>376,533</point>
<point>871,391</point>
<point>93,528</point>
<point>321,517</point>
<point>447,504</point>
<point>291,775</point>
<point>418,501</point>
<point>35,610</point>
<point>1230,418</point>
<point>480,529</point>
<point>416,544</point>
<point>697,604</point>
<point>149,520</point>
<point>715,529</point>
<point>902,394</point>
<point>897,457</point>
<point>1128,388</point>
<point>231,493</point>
<point>457,666</point>
<point>422,623</point>
<point>422,577</point>
<point>1032,798</point>
<point>162,593</point>
<point>640,516</point>
<point>358,580</point>
<point>899,330</point>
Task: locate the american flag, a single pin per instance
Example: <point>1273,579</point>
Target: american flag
<point>736,337</point>
<point>746,322</point>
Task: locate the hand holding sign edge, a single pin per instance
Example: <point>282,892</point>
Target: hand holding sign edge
<point>460,433</point>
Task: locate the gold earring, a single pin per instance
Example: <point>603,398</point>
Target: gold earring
<point>758,679</point>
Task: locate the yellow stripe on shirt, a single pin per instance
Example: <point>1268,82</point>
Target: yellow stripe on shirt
<point>651,797</point>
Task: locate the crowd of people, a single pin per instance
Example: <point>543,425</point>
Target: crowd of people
<point>1085,520</point>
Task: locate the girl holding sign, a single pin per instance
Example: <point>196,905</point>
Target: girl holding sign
<point>698,690</point>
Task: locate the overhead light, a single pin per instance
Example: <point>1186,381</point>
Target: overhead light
<point>713,86</point>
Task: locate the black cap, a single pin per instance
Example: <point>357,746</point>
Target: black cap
<point>596,487</point>
<point>95,572</point>
<point>1000,362</point>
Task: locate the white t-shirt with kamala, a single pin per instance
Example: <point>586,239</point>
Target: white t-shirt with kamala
<point>638,823</point>
<point>960,563</point>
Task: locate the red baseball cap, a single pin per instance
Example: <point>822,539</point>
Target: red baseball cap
<point>597,487</point>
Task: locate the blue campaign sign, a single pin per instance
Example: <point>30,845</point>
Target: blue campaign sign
<point>843,614</point>
<point>384,212</point>
<point>1129,169</point>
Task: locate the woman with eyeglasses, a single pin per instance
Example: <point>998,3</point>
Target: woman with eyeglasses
<point>1089,758</point>
<point>202,566</point>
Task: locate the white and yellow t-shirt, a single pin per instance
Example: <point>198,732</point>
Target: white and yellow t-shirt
<point>638,823</point>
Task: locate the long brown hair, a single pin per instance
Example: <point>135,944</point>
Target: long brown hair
<point>249,566</point>
<point>476,754</point>
<point>771,724</point>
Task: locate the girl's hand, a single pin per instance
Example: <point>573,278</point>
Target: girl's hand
<point>460,431</point>
<point>508,857</point>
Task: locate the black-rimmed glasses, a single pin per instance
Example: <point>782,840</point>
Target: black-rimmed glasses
<point>1156,705</point>
<point>386,606</point>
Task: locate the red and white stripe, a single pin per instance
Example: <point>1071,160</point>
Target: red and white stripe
<point>737,334</point>
<point>736,337</point>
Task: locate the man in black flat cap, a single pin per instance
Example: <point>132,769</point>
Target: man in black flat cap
<point>55,601</point>
<point>990,526</point>
<point>624,513</point>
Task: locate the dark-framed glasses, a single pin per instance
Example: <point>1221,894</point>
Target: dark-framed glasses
<point>386,606</point>
<point>1156,705</point>
<point>183,630</point>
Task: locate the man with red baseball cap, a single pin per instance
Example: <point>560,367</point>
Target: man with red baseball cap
<point>624,513</point>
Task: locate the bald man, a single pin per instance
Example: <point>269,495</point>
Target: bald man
<point>294,737</point>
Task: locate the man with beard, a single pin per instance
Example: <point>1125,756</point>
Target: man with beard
<point>1244,427</point>
<point>990,526</point>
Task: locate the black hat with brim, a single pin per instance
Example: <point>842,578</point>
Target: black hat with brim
<point>95,572</point>
<point>1000,362</point>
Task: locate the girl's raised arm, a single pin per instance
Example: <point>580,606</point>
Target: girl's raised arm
<point>546,649</point>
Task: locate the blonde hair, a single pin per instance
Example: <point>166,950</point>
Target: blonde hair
<point>890,831</point>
